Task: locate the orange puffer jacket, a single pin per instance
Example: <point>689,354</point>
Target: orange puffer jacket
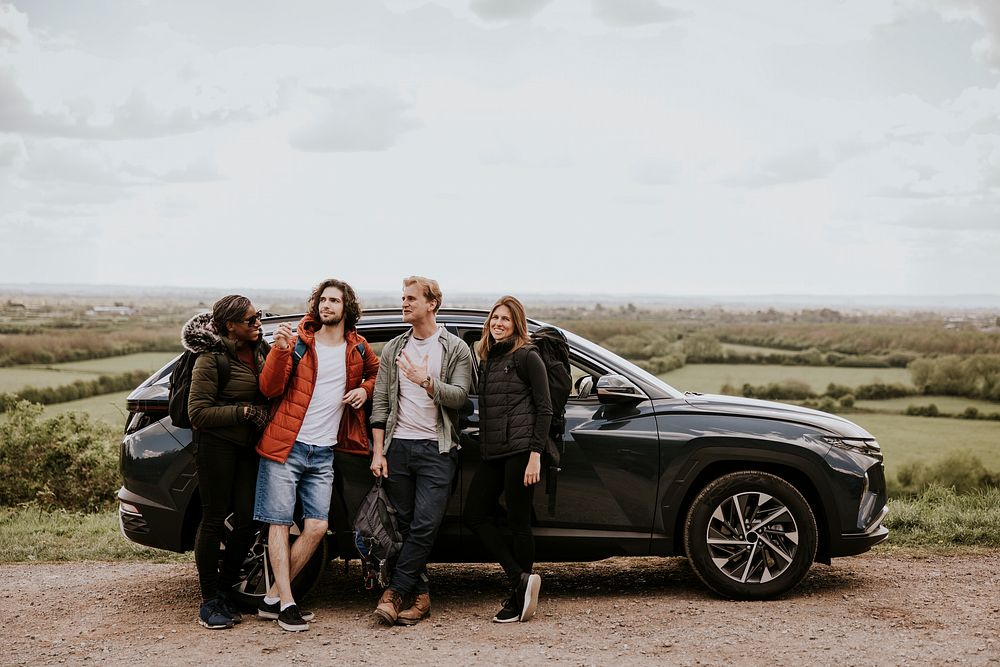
<point>280,434</point>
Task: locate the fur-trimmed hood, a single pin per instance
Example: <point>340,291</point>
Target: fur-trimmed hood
<point>199,335</point>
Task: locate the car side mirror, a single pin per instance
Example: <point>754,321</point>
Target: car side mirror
<point>584,386</point>
<point>616,389</point>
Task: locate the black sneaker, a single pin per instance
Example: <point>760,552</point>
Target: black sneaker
<point>213,616</point>
<point>510,612</point>
<point>231,609</point>
<point>271,611</point>
<point>291,620</point>
<point>528,590</point>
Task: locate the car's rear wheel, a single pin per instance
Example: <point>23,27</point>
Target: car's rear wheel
<point>750,535</point>
<point>256,574</point>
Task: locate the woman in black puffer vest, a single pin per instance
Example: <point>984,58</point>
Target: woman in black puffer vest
<point>514,416</point>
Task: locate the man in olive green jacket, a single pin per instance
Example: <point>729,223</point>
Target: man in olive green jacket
<point>423,381</point>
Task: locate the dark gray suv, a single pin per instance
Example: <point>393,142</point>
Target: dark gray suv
<point>753,492</point>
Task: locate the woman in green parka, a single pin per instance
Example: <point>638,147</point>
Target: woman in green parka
<point>227,421</point>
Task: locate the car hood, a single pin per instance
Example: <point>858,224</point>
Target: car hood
<point>750,407</point>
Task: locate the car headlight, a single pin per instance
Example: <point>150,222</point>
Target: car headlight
<point>863,445</point>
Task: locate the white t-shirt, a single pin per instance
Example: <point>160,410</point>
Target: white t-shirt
<point>322,420</point>
<point>418,415</point>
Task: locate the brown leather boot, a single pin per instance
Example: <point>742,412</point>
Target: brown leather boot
<point>388,607</point>
<point>420,610</point>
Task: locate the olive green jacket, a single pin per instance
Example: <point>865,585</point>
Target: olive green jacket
<point>221,412</point>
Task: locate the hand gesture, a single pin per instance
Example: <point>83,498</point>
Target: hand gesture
<point>415,373</point>
<point>356,397</point>
<point>283,335</point>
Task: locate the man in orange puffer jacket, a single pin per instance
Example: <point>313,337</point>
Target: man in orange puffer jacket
<point>321,411</point>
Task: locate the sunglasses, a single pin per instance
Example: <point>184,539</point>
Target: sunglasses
<point>252,320</point>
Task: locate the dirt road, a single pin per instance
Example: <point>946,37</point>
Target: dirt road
<point>876,609</point>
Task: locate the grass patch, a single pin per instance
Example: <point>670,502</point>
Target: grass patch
<point>15,378</point>
<point>107,408</point>
<point>906,440</point>
<point>940,517</point>
<point>709,378</point>
<point>29,534</point>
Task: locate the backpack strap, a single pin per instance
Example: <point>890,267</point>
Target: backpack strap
<point>297,354</point>
<point>223,370</point>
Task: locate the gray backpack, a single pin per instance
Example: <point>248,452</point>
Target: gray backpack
<point>377,537</point>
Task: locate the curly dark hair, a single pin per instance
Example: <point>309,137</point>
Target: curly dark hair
<point>230,308</point>
<point>352,306</point>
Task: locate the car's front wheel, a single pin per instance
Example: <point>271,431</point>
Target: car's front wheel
<point>256,574</point>
<point>750,535</point>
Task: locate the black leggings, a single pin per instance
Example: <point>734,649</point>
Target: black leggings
<point>227,482</point>
<point>492,478</point>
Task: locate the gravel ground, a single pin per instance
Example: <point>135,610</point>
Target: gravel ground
<point>887,608</point>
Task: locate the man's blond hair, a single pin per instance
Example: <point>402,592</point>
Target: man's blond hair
<point>431,290</point>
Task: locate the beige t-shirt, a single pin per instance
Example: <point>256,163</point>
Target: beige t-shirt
<point>418,415</point>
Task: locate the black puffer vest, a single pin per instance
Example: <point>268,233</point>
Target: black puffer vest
<point>506,406</point>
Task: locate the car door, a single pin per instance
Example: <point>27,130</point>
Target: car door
<point>601,501</point>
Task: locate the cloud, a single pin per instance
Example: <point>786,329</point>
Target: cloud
<point>656,171</point>
<point>360,118</point>
<point>10,153</point>
<point>135,118</point>
<point>630,13</point>
<point>804,163</point>
<point>975,215</point>
<point>507,10</point>
<point>984,12</point>
<point>199,171</point>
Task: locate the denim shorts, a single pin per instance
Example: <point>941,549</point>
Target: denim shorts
<point>307,473</point>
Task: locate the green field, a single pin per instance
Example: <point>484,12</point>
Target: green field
<point>754,349</point>
<point>109,408</point>
<point>709,378</point>
<point>907,439</point>
<point>950,404</point>
<point>15,378</point>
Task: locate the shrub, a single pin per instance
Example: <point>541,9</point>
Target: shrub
<point>923,411</point>
<point>960,470</point>
<point>881,390</point>
<point>794,390</point>
<point>837,390</point>
<point>827,404</point>
<point>847,401</point>
<point>702,348</point>
<point>67,461</point>
<point>971,412</point>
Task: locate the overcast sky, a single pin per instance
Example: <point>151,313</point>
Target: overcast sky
<point>624,146</point>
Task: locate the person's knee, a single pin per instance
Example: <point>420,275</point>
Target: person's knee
<point>315,528</point>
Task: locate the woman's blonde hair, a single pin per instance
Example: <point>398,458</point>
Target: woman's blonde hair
<point>519,320</point>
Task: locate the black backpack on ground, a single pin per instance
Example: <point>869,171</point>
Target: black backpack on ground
<point>554,349</point>
<point>377,537</point>
<point>180,384</point>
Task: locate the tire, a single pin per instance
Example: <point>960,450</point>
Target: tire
<point>255,575</point>
<point>750,536</point>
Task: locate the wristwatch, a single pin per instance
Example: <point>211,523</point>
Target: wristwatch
<point>426,382</point>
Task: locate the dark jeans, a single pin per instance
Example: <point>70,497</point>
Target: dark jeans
<point>227,479</point>
<point>418,486</point>
<point>492,478</point>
